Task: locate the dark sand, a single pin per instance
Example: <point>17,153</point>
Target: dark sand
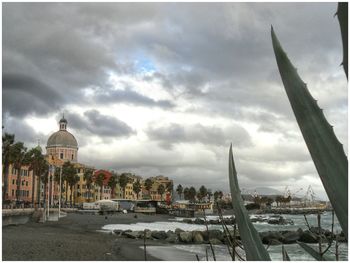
<point>75,237</point>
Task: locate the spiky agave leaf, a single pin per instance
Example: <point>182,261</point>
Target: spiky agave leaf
<point>285,255</point>
<point>314,253</point>
<point>326,151</point>
<point>253,246</point>
<point>342,14</point>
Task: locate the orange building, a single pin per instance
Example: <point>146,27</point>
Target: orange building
<point>20,190</point>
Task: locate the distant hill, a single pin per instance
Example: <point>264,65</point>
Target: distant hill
<point>262,191</point>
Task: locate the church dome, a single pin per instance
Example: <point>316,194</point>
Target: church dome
<point>62,138</point>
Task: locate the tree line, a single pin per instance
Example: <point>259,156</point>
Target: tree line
<point>202,194</point>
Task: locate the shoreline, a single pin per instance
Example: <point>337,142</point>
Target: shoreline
<point>73,238</point>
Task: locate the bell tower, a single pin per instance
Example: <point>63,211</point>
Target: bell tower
<point>63,124</point>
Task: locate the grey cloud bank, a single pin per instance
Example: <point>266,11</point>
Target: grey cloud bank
<point>177,80</point>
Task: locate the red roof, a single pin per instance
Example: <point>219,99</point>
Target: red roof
<point>106,174</point>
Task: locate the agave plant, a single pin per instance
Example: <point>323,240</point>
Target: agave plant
<point>326,151</point>
<point>253,246</point>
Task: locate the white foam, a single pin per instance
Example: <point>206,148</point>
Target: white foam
<point>159,226</point>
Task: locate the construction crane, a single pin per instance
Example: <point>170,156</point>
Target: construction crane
<point>309,196</point>
<point>288,192</point>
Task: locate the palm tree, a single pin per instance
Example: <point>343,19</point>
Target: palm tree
<point>44,177</point>
<point>161,191</point>
<point>72,181</point>
<point>170,188</point>
<point>148,185</point>
<point>186,193</point>
<point>68,173</point>
<point>18,156</point>
<point>216,195</point>
<point>123,181</point>
<point>7,142</point>
<point>112,183</point>
<point>137,188</point>
<point>37,163</point>
<point>179,190</point>
<point>88,179</point>
<point>202,192</point>
<point>209,194</point>
<point>99,181</point>
<point>192,193</point>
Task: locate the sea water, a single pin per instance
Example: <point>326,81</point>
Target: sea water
<point>181,252</point>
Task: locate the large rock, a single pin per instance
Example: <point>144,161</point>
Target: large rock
<point>148,233</point>
<point>172,238</point>
<point>274,242</point>
<point>126,231</point>
<point>118,231</point>
<point>197,237</point>
<point>276,220</point>
<point>169,232</point>
<point>266,237</point>
<point>159,235</point>
<point>229,221</point>
<point>185,237</point>
<point>215,241</point>
<point>213,234</point>
<point>308,237</point>
<point>132,234</point>
<point>199,221</point>
<point>292,236</point>
<point>178,231</point>
<point>214,222</point>
<point>188,221</point>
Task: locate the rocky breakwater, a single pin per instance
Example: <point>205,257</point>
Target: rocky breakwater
<point>178,236</point>
<point>273,220</point>
<point>200,221</point>
<point>307,236</point>
<point>218,237</point>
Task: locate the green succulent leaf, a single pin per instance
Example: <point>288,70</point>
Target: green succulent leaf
<point>342,14</point>
<point>326,151</point>
<point>285,254</point>
<point>314,253</point>
<point>254,249</point>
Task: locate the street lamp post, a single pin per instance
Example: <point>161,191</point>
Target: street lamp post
<point>48,192</point>
<point>52,183</point>
<point>59,199</point>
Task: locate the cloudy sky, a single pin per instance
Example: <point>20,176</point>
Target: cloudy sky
<point>164,88</point>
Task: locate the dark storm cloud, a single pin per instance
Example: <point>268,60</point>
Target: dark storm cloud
<point>24,95</point>
<point>98,124</point>
<point>129,96</point>
<point>175,133</point>
<point>215,58</point>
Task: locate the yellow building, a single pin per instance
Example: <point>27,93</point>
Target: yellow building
<point>156,182</point>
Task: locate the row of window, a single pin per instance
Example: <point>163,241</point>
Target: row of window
<point>22,193</point>
<point>23,182</point>
<point>23,172</point>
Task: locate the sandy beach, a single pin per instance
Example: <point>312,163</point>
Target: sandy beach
<point>75,237</point>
